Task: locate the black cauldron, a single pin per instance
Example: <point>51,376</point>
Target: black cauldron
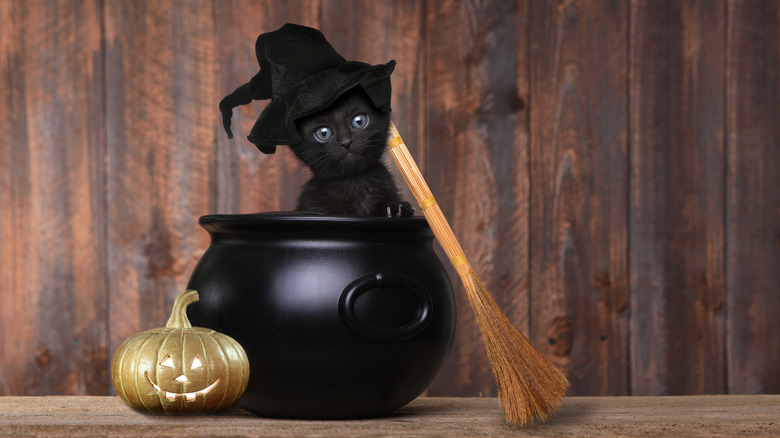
<point>340,317</point>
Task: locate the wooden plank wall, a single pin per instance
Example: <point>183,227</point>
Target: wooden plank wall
<point>611,168</point>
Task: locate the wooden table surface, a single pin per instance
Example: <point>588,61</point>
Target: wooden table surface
<point>733,415</point>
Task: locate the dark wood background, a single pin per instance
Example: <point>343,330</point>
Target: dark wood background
<point>612,169</point>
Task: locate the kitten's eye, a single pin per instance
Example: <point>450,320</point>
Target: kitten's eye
<point>360,121</point>
<point>323,134</point>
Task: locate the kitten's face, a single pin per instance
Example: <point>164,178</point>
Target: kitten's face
<point>345,139</point>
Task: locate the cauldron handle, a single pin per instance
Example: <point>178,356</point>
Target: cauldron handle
<point>349,312</point>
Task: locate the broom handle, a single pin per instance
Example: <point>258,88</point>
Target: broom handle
<point>433,214</point>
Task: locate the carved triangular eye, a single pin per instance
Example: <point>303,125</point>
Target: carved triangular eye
<point>167,362</point>
<point>196,363</point>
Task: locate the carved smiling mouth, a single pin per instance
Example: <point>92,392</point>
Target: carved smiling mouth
<point>189,396</point>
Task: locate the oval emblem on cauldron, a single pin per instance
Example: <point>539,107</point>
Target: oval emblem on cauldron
<point>385,307</point>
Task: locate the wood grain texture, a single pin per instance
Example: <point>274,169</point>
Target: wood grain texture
<point>701,416</point>
<point>475,162</point>
<point>161,61</point>
<point>53,313</point>
<point>677,186</point>
<point>753,197</point>
<point>579,224</point>
<point>248,181</point>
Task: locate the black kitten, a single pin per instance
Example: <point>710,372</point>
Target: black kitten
<point>343,147</point>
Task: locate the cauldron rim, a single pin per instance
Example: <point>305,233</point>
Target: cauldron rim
<point>255,221</point>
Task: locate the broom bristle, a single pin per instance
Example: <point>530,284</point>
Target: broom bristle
<point>530,388</point>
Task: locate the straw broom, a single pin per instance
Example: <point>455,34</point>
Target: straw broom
<point>529,386</point>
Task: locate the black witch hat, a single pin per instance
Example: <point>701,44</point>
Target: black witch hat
<point>301,73</point>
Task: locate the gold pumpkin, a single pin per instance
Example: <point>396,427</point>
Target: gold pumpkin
<point>179,368</point>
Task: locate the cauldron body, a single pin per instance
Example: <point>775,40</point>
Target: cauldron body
<point>340,317</point>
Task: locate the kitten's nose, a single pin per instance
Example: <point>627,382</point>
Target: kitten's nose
<point>346,144</point>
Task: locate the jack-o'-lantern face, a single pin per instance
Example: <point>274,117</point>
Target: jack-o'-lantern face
<point>179,368</point>
<point>190,382</point>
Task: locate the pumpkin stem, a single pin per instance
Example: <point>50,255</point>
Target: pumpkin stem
<point>178,317</point>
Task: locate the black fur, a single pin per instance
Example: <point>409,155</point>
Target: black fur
<point>348,176</point>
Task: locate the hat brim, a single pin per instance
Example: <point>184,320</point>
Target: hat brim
<point>276,124</point>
